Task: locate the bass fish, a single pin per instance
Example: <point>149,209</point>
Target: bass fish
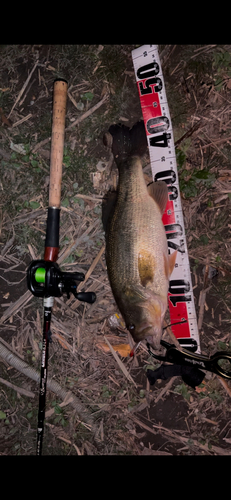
<point>138,263</point>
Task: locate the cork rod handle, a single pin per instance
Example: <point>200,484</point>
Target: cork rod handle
<point>57,142</point>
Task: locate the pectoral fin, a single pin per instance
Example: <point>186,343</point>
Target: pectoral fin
<point>169,263</point>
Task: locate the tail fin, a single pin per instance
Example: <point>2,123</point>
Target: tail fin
<point>128,142</point>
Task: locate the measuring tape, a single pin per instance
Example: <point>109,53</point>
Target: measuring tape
<point>158,126</point>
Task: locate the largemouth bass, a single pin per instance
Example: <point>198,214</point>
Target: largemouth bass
<point>138,263</point>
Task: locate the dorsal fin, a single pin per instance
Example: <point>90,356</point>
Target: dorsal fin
<point>159,192</point>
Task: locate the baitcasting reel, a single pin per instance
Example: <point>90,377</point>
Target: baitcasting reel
<point>45,279</point>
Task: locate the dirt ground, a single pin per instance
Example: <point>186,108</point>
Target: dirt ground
<point>123,414</point>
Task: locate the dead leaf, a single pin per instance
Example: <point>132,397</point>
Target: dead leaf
<point>120,363</point>
<point>122,349</point>
<point>62,341</point>
<point>97,179</point>
<point>201,389</point>
<point>4,119</point>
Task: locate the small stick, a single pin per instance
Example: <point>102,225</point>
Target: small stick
<point>88,274</point>
<point>79,240</point>
<point>19,122</point>
<point>188,133</point>
<point>120,363</point>
<point>92,267</point>
<point>72,99</point>
<point>165,389</point>
<point>20,390</point>
<point>203,294</point>
<point>21,302</point>
<point>172,336</point>
<point>202,49</point>
<point>76,122</point>
<point>23,87</point>
<point>225,385</point>
<point>88,113</point>
<point>41,144</point>
<point>87,197</point>
<point>216,141</point>
<point>202,299</point>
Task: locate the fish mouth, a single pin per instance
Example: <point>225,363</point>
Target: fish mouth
<point>150,333</point>
<point>154,341</point>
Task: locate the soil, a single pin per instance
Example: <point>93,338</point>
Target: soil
<point>169,418</point>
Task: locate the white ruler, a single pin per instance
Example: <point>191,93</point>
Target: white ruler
<point>157,120</point>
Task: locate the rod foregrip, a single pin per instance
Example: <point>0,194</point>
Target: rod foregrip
<point>52,234</point>
<point>57,141</point>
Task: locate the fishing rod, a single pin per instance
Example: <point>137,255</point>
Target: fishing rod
<point>44,278</point>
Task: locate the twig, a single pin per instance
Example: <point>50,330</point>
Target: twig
<point>88,113</point>
<point>79,240</point>
<point>72,99</point>
<point>30,215</point>
<point>188,133</point>
<point>76,122</point>
<point>23,87</point>
<point>19,122</point>
<point>225,385</point>
<point>22,301</point>
<point>68,399</point>
<point>20,390</point>
<point>120,363</point>
<point>203,295</point>
<point>213,145</point>
<point>165,389</point>
<point>216,141</point>
<point>29,371</point>
<point>8,244</point>
<point>200,50</point>
<point>87,197</point>
<point>41,144</point>
<point>141,424</point>
<point>175,437</point>
<point>172,336</point>
<point>34,257</point>
<point>92,267</point>
<point>201,304</point>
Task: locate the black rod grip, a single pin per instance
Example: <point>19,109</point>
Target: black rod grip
<point>52,232</point>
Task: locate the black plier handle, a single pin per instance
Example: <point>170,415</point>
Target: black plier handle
<point>186,358</point>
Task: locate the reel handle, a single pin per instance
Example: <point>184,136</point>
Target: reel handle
<point>89,297</point>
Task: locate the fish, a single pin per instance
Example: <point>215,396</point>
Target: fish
<point>138,263</point>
